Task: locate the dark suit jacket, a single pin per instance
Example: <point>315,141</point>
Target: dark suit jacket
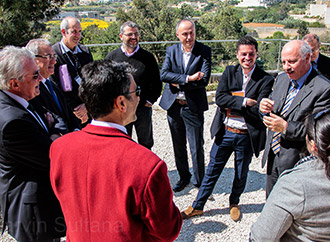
<point>313,96</point>
<point>28,205</point>
<point>46,100</point>
<point>84,58</point>
<point>259,86</point>
<point>173,73</point>
<point>323,65</point>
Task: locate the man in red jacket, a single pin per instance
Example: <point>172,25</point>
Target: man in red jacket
<point>111,188</point>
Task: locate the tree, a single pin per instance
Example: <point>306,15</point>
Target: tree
<point>156,20</point>
<point>22,20</point>
<point>303,30</point>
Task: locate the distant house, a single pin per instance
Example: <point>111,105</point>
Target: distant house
<point>252,3</point>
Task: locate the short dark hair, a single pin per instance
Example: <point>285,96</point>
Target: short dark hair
<point>247,40</point>
<point>103,81</point>
<point>318,129</point>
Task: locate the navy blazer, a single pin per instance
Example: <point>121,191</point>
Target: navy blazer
<point>173,73</point>
<point>313,96</point>
<point>323,65</point>
<point>46,100</point>
<point>259,86</point>
<point>28,204</point>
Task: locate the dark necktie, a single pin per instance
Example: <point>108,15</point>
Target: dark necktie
<point>288,101</point>
<point>51,90</point>
<point>314,65</point>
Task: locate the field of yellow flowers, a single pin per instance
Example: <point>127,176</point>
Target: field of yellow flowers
<point>85,22</point>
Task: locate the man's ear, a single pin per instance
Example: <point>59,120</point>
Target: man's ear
<point>120,103</point>
<point>14,84</point>
<point>63,31</point>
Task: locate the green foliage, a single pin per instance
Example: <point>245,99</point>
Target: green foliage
<point>22,20</point>
<point>303,30</point>
<point>273,14</point>
<point>316,25</point>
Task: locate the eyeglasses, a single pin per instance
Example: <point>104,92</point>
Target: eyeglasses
<point>35,76</point>
<point>48,57</point>
<point>136,34</point>
<point>137,91</point>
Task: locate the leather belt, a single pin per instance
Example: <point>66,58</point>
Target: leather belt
<point>181,102</point>
<point>236,131</point>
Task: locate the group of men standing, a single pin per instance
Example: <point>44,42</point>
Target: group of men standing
<point>115,96</point>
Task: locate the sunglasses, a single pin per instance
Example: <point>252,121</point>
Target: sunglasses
<point>137,91</point>
<point>48,57</point>
<point>35,76</point>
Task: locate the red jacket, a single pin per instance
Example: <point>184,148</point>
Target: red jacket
<point>111,188</point>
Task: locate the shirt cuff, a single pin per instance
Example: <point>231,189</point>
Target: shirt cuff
<point>244,102</point>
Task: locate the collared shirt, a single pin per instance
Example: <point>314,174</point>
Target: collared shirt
<point>302,79</point>
<point>186,57</point>
<point>25,104</point>
<point>109,125</point>
<point>239,122</point>
<point>127,54</point>
<point>65,49</point>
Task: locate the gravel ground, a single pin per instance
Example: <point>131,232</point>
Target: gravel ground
<point>215,224</point>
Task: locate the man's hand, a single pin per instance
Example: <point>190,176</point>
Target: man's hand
<point>175,85</point>
<point>266,105</point>
<point>251,102</point>
<point>196,77</point>
<point>50,119</point>
<point>275,123</point>
<point>148,105</point>
<point>81,113</point>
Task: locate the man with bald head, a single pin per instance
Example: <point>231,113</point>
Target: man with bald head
<point>319,62</point>
<point>297,92</point>
<point>71,57</point>
<point>186,71</point>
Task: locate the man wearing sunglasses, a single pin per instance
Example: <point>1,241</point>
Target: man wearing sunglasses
<point>297,92</point>
<point>102,177</point>
<point>29,207</point>
<point>146,76</point>
<point>51,98</point>
<point>71,57</point>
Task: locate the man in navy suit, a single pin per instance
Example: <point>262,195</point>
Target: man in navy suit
<point>186,71</point>
<point>237,125</point>
<point>320,62</point>
<point>29,207</point>
<point>51,98</point>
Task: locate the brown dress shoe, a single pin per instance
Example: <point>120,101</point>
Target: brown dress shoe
<point>191,212</point>
<point>235,214</point>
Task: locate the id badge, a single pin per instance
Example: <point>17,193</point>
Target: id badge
<point>78,79</point>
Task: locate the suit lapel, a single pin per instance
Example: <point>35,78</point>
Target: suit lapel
<point>192,56</point>
<point>179,57</point>
<point>252,81</point>
<point>239,77</point>
<point>304,92</point>
<point>283,91</point>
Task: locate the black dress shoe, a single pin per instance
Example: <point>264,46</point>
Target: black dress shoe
<point>180,185</point>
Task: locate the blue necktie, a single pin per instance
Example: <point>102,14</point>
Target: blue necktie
<point>51,90</point>
<point>288,101</point>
